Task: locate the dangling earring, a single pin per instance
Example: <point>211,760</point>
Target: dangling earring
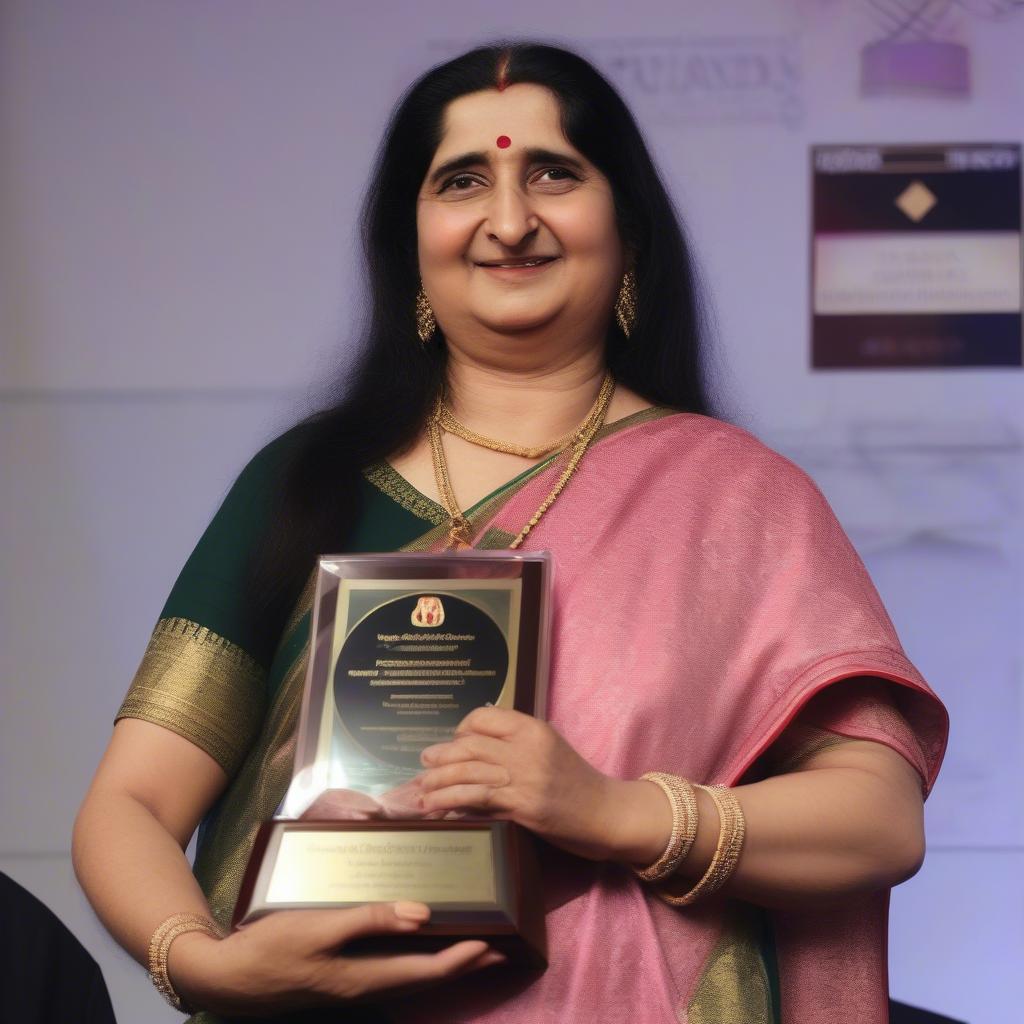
<point>425,322</point>
<point>625,304</point>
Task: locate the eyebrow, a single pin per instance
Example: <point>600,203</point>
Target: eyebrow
<point>533,156</point>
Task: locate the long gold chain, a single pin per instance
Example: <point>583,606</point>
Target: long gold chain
<point>460,532</point>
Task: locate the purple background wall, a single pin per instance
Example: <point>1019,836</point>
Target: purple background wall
<point>178,192</point>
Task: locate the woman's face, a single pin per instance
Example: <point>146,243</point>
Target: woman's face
<point>516,228</point>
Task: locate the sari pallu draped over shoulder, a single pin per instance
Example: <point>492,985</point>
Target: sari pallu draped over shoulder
<point>704,594</point>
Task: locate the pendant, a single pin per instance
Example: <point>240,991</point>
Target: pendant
<point>460,535</point>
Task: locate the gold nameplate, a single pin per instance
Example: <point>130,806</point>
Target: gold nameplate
<point>363,867</point>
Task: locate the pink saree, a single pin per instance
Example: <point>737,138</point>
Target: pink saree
<point>704,594</point>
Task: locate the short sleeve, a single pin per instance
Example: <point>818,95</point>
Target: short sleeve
<point>204,671</point>
<point>859,708</point>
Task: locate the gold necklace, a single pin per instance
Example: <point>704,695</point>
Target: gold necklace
<point>460,532</point>
<point>447,421</point>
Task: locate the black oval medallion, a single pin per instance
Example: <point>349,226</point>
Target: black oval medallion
<point>412,669</point>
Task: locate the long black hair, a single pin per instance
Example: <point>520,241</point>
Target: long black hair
<point>388,393</point>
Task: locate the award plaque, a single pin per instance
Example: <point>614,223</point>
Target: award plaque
<point>402,648</point>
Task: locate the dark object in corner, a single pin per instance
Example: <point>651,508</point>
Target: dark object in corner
<point>900,1013</point>
<point>46,974</point>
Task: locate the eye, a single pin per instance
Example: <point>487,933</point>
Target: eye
<point>559,178</point>
<point>459,183</point>
<point>557,173</point>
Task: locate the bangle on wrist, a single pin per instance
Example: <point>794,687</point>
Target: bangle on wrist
<point>684,825</point>
<point>160,945</point>
<point>731,832</point>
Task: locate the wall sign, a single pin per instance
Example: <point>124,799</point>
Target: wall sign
<point>676,80</point>
<point>916,256</point>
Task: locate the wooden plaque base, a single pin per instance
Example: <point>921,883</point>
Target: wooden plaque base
<point>480,879</point>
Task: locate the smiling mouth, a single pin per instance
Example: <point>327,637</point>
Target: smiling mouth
<point>533,261</point>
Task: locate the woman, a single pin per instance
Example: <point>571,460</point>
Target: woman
<point>712,621</point>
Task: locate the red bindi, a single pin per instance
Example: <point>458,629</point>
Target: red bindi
<point>504,142</point>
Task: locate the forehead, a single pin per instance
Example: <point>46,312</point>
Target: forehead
<point>528,114</point>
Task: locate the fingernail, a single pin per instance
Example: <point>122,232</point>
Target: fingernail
<point>427,757</point>
<point>412,911</point>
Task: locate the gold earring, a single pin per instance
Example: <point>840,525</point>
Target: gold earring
<point>625,304</point>
<point>425,322</point>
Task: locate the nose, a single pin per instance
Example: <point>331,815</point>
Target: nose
<point>510,218</point>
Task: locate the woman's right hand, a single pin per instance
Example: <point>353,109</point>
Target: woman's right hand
<point>292,960</point>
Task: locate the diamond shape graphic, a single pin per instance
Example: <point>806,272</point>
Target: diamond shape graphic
<point>916,200</point>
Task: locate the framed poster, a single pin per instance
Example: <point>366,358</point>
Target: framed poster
<point>916,256</point>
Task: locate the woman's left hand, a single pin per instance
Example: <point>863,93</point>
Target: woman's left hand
<point>515,767</point>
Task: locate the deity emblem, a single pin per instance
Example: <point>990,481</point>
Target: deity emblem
<point>428,612</point>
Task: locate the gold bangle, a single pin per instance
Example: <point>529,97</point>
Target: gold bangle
<point>684,825</point>
<point>160,945</point>
<point>731,832</point>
